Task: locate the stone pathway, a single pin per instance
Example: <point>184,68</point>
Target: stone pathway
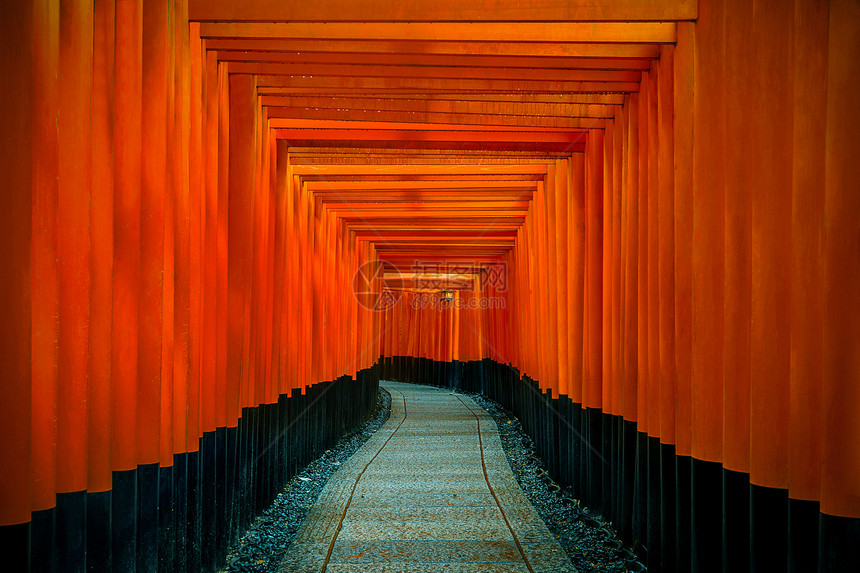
<point>427,493</point>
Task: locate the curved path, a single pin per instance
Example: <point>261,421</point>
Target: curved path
<point>430,492</point>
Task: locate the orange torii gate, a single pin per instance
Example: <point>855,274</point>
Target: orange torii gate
<point>222,219</point>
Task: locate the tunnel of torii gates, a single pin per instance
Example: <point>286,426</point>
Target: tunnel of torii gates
<point>223,222</point>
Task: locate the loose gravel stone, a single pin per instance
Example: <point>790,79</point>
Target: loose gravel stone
<point>588,540</point>
<point>261,549</point>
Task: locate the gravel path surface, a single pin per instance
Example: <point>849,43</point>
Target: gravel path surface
<point>590,542</point>
<point>263,546</point>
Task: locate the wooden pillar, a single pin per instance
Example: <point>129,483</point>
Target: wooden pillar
<point>596,300</point>
<point>45,272</point>
<point>683,94</point>
<point>630,250</point>
<point>197,244</point>
<point>73,241</point>
<point>565,297</point>
<point>840,471</point>
<point>738,256</point>
<point>654,144</point>
<point>152,201</point>
<point>708,284</point>
<point>181,172</point>
<point>666,243</point>
<point>126,214</point>
<point>770,187</point>
<point>17,146</point>
<point>99,475</point>
<point>807,304</point>
<point>666,308</point>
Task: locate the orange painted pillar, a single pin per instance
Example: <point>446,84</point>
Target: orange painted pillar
<point>73,241</point>
<point>99,391</point>
<point>683,95</point>
<point>152,201</point>
<point>609,261</point>
<point>280,280</point>
<point>180,174</point>
<point>549,231</point>
<point>630,249</point>
<point>16,212</point>
<point>596,300</point>
<point>840,471</point>
<point>197,227</point>
<point>653,332</point>
<point>44,270</point>
<point>220,101</point>
<point>575,173</point>
<point>171,395</point>
<point>770,187</point>
<point>709,162</point>
<point>807,306</point>
<point>127,159</point>
<point>738,241</point>
<point>708,235</point>
<point>239,243</point>
<point>642,189</point>
<point>619,176</point>
<point>564,296</point>
<point>666,243</point>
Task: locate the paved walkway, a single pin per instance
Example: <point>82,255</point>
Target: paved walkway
<point>427,493</point>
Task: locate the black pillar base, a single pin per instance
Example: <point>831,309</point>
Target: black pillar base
<point>768,529</point>
<point>706,516</point>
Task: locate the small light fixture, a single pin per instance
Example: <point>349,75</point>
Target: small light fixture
<point>446,295</point>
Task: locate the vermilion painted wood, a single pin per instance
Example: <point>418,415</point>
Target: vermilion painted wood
<point>738,241</point>
<point>840,474</point>
<point>152,222</point>
<point>226,393</point>
<point>807,248</point>
<point>666,243</point>
<point>73,241</point>
<point>618,181</point>
<point>591,391</point>
<point>18,145</point>
<point>209,223</point>
<point>391,97</point>
<point>45,272</point>
<point>575,188</point>
<point>769,185</point>
<point>653,261</point>
<point>609,284</point>
<point>342,84</point>
<point>630,251</point>
<point>609,32</point>
<point>463,121</point>
<point>181,181</point>
<point>708,232</point>
<point>643,185</point>
<point>464,48</point>
<point>323,70</point>
<point>646,276</point>
<point>234,51</point>
<point>683,95</point>
<point>448,10</point>
<point>551,228</point>
<point>127,159</point>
